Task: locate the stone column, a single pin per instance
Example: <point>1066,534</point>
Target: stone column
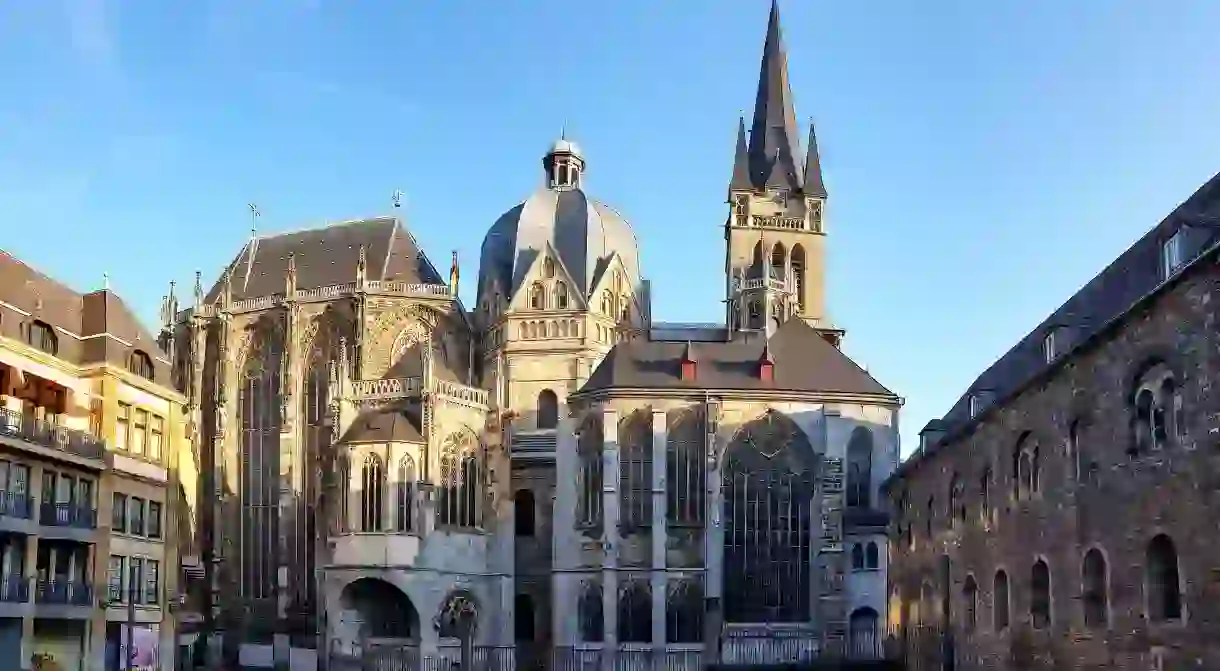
<point>832,602</point>
<point>610,537</point>
<point>713,539</point>
<point>660,533</point>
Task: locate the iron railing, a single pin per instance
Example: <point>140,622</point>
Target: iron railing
<point>73,515</point>
<point>64,592</point>
<point>49,434</point>
<point>13,504</point>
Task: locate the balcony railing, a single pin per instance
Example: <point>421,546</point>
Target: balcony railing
<point>64,592</point>
<point>14,589</point>
<point>49,434</point>
<point>72,515</point>
<point>13,504</point>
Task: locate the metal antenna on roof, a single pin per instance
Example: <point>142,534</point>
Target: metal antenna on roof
<point>397,198</point>
<point>105,281</point>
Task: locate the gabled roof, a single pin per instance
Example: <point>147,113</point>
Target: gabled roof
<point>804,362</point>
<point>385,426</point>
<point>328,256</point>
<point>1109,295</point>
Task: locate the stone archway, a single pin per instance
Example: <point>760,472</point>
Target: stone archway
<point>373,612</point>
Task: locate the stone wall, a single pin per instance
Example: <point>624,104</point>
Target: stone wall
<point>1094,489</point>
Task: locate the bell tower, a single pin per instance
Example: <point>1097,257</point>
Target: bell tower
<point>775,230</point>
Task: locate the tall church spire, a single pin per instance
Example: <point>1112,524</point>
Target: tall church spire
<point>774,148</point>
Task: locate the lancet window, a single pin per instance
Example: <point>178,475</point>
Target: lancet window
<point>769,476</point>
<point>635,612</point>
<point>460,497</point>
<point>860,468</point>
<point>589,492</point>
<point>589,613</point>
<point>259,416</point>
<point>684,611</point>
<point>404,504</point>
<point>635,476</point>
<point>372,493</point>
<point>1159,416</point>
<point>686,468</point>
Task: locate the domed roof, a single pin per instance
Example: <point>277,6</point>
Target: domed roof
<point>583,232</point>
<point>565,146</point>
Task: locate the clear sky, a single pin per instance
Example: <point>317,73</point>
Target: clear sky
<point>984,159</point>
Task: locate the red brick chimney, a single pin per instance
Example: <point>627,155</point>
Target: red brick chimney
<point>766,365</point>
<point>689,366</point>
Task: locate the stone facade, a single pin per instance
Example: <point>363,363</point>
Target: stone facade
<point>1118,503</point>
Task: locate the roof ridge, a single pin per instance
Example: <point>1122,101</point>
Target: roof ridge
<point>335,224</point>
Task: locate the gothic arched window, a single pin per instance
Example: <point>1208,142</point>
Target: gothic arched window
<point>684,612</point>
<point>1164,586</point>
<point>405,488</point>
<point>686,468</point>
<point>798,274</point>
<point>538,297</point>
<point>635,474</point>
<point>40,335</point>
<point>1000,607</point>
<point>635,612</point>
<point>259,415</point>
<point>857,557</point>
<point>970,603</point>
<point>863,635</point>
<point>459,503</point>
<point>1094,590</point>
<point>548,267</point>
<point>343,488</point>
<point>589,448</point>
<point>372,493</point>
<point>779,261</point>
<point>1040,595</point>
<point>561,295</point>
<point>548,409</point>
<point>141,364</point>
<point>872,560</point>
<point>768,483</point>
<point>860,468</point>
<point>589,613</point>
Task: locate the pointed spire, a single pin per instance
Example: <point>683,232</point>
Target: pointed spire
<point>198,288</point>
<point>813,186</point>
<point>171,305</point>
<point>454,274</point>
<point>290,277</point>
<point>362,263</point>
<point>774,146</point>
<point>741,160</point>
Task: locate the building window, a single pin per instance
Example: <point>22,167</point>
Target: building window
<point>156,437</point>
<point>1164,584</point>
<point>548,267</point>
<point>141,364</point>
<point>1159,416</point>
<point>985,495</point>
<point>957,501</point>
<point>1071,449</point>
<point>523,512</point>
<point>537,297</point>
<point>872,560</point>
<point>1025,467</point>
<point>684,612</point>
<point>1040,595</point>
<point>114,579</point>
<point>139,432</point>
<point>118,513</point>
<point>548,409</point>
<point>929,516</point>
<point>970,603</point>
<point>857,557</point>
<point>122,427</point>
<point>1000,609</point>
<point>152,581</point>
<point>561,295</point>
<point>1094,593</point>
<point>860,468</point>
<point>1048,347</point>
<point>40,335</point>
<point>372,487</point>
<point>1173,256</point>
<point>460,501</point>
<point>686,467</point>
<point>589,448</point>
<point>135,507</point>
<point>589,613</point>
<point>635,477</point>
<point>135,578</point>
<point>635,613</point>
<point>154,519</point>
<point>523,618</point>
<point>406,494</point>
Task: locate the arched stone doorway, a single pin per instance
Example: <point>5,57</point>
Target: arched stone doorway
<point>373,612</point>
<point>769,479</point>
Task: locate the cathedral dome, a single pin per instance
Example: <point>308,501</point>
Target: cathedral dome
<point>584,233</point>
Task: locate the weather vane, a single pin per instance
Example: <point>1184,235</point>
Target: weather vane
<point>397,198</point>
<point>254,215</point>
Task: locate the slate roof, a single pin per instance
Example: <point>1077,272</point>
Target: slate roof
<point>328,256</point>
<point>803,362</point>
<point>385,426</point>
<point>1109,295</point>
<point>772,157</point>
<point>97,324</point>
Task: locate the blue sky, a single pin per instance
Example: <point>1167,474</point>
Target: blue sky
<point>984,159</point>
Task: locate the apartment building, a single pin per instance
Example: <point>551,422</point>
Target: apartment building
<point>92,511</point>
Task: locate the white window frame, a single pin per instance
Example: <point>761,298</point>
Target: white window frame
<point>1049,351</point>
<point>1172,255</point>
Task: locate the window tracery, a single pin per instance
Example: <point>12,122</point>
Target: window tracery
<point>1026,467</point>
<point>372,491</point>
<point>635,612</point>
<point>141,364</point>
<point>684,612</point>
<point>405,503</point>
<point>259,417</point>
<point>1159,419</point>
<point>589,613</point>
<point>41,336</point>
<point>561,295</point>
<point>635,471</point>
<point>589,448</point>
<point>860,468</point>
<point>538,296</point>
<point>461,482</point>
<point>686,468</point>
